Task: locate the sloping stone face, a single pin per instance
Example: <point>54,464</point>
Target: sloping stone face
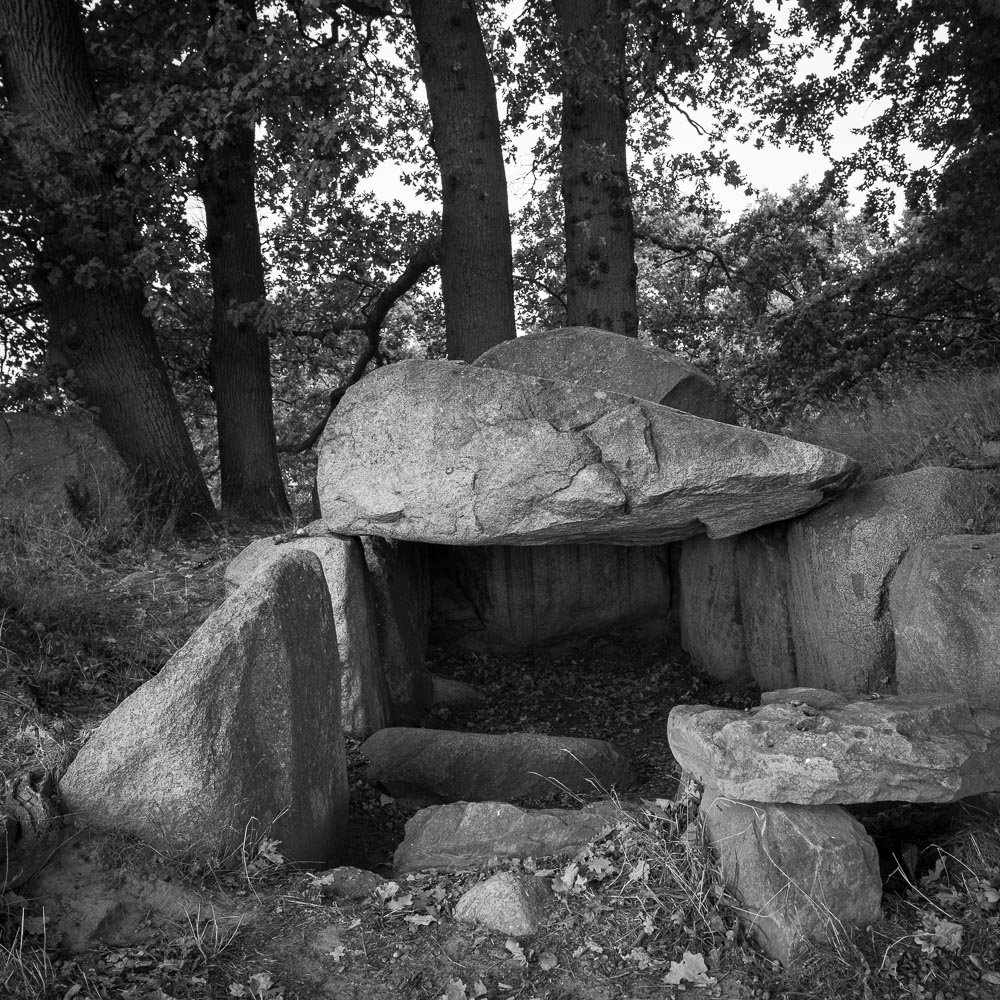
<point>710,611</point>
<point>456,454</point>
<point>64,466</point>
<point>762,576</point>
<point>364,696</point>
<point>841,559</point>
<point>945,604</point>
<point>813,747</point>
<point>609,361</point>
<point>467,834</point>
<point>510,597</point>
<point>432,765</point>
<point>803,875</point>
<point>239,733</point>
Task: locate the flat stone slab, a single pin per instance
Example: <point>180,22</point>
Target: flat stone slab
<point>440,765</point>
<point>468,834</point>
<point>438,451</point>
<point>814,747</point>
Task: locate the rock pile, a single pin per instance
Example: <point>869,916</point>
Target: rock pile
<point>776,779</point>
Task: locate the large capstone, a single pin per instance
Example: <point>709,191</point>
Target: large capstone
<point>442,452</point>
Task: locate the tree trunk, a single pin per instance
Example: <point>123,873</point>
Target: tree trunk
<point>239,352</point>
<point>600,253</point>
<point>476,270</point>
<point>97,327</point>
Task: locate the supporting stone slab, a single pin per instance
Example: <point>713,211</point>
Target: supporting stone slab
<point>803,875</point>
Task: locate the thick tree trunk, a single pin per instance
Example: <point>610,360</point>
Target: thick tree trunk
<point>476,270</point>
<point>600,253</point>
<point>97,327</point>
<point>239,352</point>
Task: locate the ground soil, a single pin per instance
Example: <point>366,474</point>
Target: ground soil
<point>108,918</point>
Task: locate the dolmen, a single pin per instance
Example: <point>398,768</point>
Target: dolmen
<point>776,780</point>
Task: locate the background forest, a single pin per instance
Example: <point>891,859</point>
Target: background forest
<point>196,248</point>
<point>193,249</point>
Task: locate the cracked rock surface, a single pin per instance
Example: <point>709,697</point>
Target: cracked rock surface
<point>454,454</point>
<point>814,747</point>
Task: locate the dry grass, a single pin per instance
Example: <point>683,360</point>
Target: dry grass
<point>944,419</point>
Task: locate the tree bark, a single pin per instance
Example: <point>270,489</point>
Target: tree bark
<point>239,352</point>
<point>597,200</point>
<point>476,270</point>
<point>98,332</point>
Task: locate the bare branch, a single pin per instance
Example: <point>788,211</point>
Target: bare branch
<point>426,257</point>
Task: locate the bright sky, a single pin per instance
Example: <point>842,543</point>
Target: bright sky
<point>772,169</point>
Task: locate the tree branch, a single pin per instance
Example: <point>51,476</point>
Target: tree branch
<point>685,249</point>
<point>545,288</point>
<point>425,257</point>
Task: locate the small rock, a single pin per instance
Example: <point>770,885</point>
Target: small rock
<point>347,883</point>
<point>509,903</point>
<point>448,691</point>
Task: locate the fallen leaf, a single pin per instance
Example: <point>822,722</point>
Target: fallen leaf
<point>690,968</point>
<point>516,952</point>
<point>455,990</point>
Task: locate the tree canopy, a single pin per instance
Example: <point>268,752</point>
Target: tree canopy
<point>192,244</point>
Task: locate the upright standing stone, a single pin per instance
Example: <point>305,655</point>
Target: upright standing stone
<point>945,604</point>
<point>803,875</point>
<point>710,613</point>
<point>364,696</point>
<point>400,580</point>
<point>841,560</point>
<point>238,735</point>
<point>508,597</point>
<point>762,583</point>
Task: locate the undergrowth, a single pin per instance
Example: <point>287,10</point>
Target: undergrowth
<point>944,418</point>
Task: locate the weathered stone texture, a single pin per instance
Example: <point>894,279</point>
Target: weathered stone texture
<point>456,454</point>
<point>945,604</point>
<point>762,583</point>
<point>238,734</point>
<point>816,747</point>
<point>511,903</point>
<point>803,875</point>
<point>438,765</point>
<point>506,597</point>
<point>603,360</point>
<point>364,696</point>
<point>710,613</point>
<point>468,834</point>
<point>841,560</point>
